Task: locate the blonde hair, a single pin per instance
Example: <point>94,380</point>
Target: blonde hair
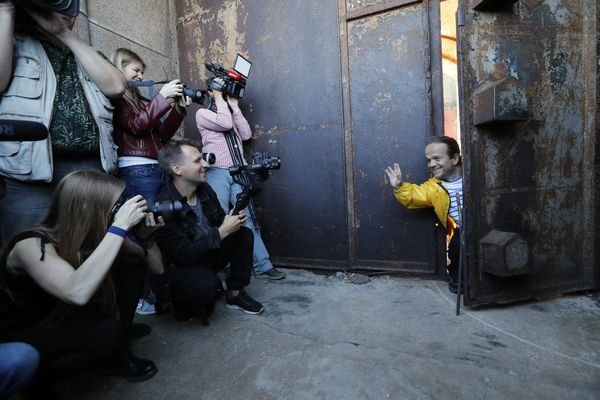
<point>122,57</point>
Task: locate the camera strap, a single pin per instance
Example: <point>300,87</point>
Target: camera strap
<point>242,179</point>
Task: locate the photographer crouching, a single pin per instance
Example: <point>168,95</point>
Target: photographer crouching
<point>202,240</point>
<point>226,118</point>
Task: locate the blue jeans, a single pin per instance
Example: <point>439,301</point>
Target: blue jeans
<point>18,364</point>
<point>27,203</point>
<point>226,189</point>
<point>141,179</point>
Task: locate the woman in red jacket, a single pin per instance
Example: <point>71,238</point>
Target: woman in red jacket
<point>140,134</point>
<point>138,130</point>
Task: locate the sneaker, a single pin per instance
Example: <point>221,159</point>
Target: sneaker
<point>144,307</point>
<point>245,303</point>
<point>273,274</point>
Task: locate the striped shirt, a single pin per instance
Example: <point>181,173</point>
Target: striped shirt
<point>212,125</point>
<point>453,188</point>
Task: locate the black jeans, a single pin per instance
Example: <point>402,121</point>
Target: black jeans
<point>454,254</point>
<point>74,345</point>
<point>195,287</point>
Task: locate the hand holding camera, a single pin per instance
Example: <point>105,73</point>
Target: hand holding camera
<point>232,223</point>
<point>172,89</point>
<point>131,213</point>
<point>146,228</point>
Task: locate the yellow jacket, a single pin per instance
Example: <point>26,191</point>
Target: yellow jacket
<point>430,193</point>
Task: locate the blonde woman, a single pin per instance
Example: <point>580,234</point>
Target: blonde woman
<point>138,130</point>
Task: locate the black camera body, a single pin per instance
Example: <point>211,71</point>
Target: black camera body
<point>253,176</point>
<point>261,164</point>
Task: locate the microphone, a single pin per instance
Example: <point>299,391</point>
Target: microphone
<point>22,131</point>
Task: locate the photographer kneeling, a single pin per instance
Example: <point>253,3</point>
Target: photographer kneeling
<point>203,239</point>
<point>56,291</point>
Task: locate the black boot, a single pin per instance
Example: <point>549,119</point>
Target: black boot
<point>130,368</point>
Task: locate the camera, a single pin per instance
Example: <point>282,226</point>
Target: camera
<point>210,158</point>
<point>198,96</point>
<point>234,80</point>
<point>261,164</point>
<point>169,210</point>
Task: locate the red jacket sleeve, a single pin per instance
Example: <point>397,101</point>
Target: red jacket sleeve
<point>141,123</point>
<point>171,124</point>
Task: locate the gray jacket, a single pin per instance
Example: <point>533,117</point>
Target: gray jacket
<point>30,97</point>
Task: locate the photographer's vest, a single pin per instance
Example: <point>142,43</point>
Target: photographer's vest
<point>30,97</point>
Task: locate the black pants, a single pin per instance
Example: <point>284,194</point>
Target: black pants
<point>80,342</point>
<point>74,345</point>
<point>454,254</point>
<point>194,288</point>
<point>129,283</point>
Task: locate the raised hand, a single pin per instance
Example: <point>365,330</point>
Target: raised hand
<point>394,175</point>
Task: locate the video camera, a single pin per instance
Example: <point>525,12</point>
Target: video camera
<point>253,176</point>
<point>234,80</point>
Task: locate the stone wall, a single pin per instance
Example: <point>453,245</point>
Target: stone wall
<point>144,26</point>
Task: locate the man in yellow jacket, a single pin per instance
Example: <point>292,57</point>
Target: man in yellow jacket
<point>442,192</point>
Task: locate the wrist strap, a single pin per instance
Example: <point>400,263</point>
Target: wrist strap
<point>117,231</point>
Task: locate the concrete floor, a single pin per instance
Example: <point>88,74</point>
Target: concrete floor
<point>322,337</point>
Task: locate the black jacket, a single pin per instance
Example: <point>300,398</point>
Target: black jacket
<point>176,238</point>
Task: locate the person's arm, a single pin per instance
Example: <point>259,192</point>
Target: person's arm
<point>240,122</point>
<point>221,121</point>
<point>61,279</point>
<point>7,23</point>
<point>106,76</point>
<point>413,196</point>
<point>141,122</point>
<point>174,119</point>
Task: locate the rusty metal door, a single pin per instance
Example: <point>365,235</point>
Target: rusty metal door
<point>529,93</point>
<point>339,91</point>
<point>388,54</point>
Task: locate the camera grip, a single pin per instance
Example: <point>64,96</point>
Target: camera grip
<point>242,201</point>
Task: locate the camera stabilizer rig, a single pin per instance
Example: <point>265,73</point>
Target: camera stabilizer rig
<point>252,176</point>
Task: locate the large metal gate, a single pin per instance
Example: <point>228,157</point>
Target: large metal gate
<point>529,73</point>
<point>339,90</point>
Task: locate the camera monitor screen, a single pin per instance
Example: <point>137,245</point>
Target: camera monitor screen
<point>242,66</point>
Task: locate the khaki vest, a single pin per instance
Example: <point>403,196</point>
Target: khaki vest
<point>30,97</point>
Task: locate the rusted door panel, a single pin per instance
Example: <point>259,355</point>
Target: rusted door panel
<point>532,178</point>
<point>295,101</point>
<point>391,121</point>
<point>297,109</point>
<point>293,104</point>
